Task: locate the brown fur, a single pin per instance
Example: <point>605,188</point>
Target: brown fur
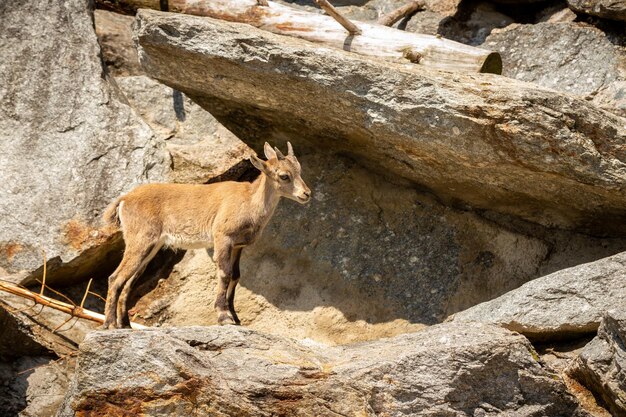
<point>226,216</point>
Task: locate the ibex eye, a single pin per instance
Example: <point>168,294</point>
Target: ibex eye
<point>284,177</point>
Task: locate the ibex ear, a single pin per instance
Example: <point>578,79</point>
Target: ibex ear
<point>269,152</point>
<point>258,163</point>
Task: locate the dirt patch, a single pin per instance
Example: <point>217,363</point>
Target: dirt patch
<point>79,235</point>
<point>10,249</point>
<point>132,402</point>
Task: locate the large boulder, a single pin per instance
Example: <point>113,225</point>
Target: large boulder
<point>567,303</point>
<point>601,366</point>
<point>451,369</point>
<point>609,9</point>
<point>481,140</point>
<point>69,142</point>
<point>202,150</point>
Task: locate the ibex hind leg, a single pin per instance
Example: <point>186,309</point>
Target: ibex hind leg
<point>123,320</point>
<point>131,263</point>
<point>230,293</point>
<point>222,256</point>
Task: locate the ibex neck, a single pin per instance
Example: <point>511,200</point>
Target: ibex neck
<point>265,197</point>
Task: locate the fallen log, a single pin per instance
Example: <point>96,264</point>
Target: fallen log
<point>72,310</point>
<point>374,40</point>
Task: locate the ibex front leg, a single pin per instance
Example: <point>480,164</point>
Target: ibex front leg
<point>230,294</point>
<point>223,259</point>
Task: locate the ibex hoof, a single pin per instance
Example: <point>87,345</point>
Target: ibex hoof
<point>225,319</point>
<point>108,326</point>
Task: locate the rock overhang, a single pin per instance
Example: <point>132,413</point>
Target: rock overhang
<point>482,140</point>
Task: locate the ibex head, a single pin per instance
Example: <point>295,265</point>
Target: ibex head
<point>284,172</point>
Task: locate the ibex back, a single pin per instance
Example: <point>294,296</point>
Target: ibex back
<point>227,216</point>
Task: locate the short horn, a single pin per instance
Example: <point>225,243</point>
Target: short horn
<point>279,154</point>
<point>289,149</point>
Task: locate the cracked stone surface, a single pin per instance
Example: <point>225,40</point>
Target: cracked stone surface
<point>69,143</point>
<point>601,366</point>
<point>450,369</point>
<point>567,303</point>
<point>202,150</point>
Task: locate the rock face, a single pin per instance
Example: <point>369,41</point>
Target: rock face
<point>364,259</point>
<point>613,97</point>
<point>601,365</point>
<point>567,303</point>
<point>609,9</point>
<point>69,143</point>
<point>567,57</point>
<point>116,40</point>
<point>480,140</point>
<point>201,148</point>
<point>461,370</point>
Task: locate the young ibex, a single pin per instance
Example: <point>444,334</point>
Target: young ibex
<point>226,216</point>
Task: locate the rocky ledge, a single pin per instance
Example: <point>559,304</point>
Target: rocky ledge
<point>450,369</point>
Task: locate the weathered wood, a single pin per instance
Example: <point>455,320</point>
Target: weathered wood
<point>408,9</point>
<point>332,12</point>
<point>375,40</point>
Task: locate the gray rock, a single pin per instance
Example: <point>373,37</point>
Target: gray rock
<point>450,369</point>
<point>471,25</point>
<point>567,303</point>
<point>601,365</point>
<point>609,9</point>
<point>33,386</point>
<point>116,40</point>
<point>481,140</point>
<point>201,148</point>
<point>69,143</point>
<point>613,97</point>
<point>569,57</point>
